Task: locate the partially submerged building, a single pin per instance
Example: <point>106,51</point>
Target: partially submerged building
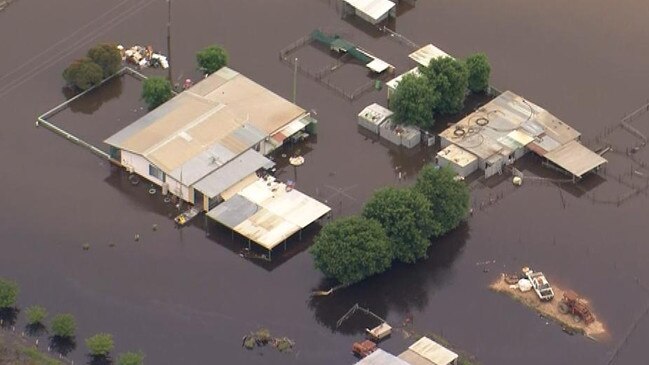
<point>422,57</point>
<point>208,142</point>
<point>377,119</point>
<point>505,129</point>
<point>423,352</point>
<point>372,11</point>
<point>428,352</point>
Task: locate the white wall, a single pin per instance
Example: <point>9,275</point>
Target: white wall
<point>140,165</point>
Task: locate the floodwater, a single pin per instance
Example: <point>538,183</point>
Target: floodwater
<point>182,297</point>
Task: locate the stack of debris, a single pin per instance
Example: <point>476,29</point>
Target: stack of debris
<point>143,56</point>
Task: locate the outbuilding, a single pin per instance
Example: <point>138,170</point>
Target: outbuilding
<point>372,11</point>
<point>399,134</point>
<point>461,161</point>
<point>373,116</point>
<point>428,352</point>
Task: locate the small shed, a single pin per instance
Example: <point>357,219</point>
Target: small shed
<point>379,332</point>
<point>401,135</point>
<point>428,352</point>
<point>425,54</point>
<point>380,357</point>
<point>373,116</point>
<point>461,161</point>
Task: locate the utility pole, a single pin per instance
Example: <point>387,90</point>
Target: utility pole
<point>169,42</point>
<point>295,80</point>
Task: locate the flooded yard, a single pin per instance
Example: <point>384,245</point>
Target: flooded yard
<point>183,297</point>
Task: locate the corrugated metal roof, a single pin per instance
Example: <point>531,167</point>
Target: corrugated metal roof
<point>234,211</point>
<point>226,108</point>
<point>231,173</point>
<point>375,9</point>
<point>575,158</point>
<point>433,352</point>
<point>378,65</point>
<point>282,213</point>
<point>508,121</point>
<point>392,84</point>
<point>380,357</point>
<point>425,54</point>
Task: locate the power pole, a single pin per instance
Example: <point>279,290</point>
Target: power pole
<point>295,80</point>
<point>169,42</point>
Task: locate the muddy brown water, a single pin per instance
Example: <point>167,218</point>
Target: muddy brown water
<point>184,298</point>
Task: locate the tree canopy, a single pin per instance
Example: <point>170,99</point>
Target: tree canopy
<point>100,345</point>
<point>413,101</point>
<point>64,325</point>
<point>450,78</point>
<point>8,293</point>
<point>351,249</point>
<point>211,58</point>
<point>107,56</point>
<point>35,315</point>
<point>479,72</point>
<point>156,91</point>
<point>405,216</point>
<point>130,358</point>
<point>83,74</point>
<point>449,199</point>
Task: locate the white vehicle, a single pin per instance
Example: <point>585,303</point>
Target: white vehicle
<point>540,284</point>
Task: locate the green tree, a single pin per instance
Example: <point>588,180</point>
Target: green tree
<point>449,199</point>
<point>130,358</point>
<point>156,91</point>
<point>64,325</point>
<point>100,345</point>
<point>107,56</point>
<point>405,216</point>
<point>351,249</point>
<point>479,72</point>
<point>35,315</point>
<point>8,293</point>
<point>413,101</point>
<point>450,78</point>
<point>211,58</point>
<point>83,74</point>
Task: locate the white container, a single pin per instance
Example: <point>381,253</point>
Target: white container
<point>524,285</point>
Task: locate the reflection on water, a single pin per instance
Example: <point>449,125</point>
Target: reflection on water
<point>92,101</point>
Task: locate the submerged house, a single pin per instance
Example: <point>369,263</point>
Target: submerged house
<point>209,142</point>
<point>504,130</point>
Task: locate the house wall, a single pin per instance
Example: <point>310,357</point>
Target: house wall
<point>139,165</point>
<point>463,171</point>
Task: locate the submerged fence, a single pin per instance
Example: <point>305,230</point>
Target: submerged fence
<point>42,120</point>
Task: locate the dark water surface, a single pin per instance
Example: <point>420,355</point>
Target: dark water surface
<point>183,298</point>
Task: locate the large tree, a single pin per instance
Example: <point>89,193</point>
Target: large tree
<point>479,72</point>
<point>450,78</point>
<point>36,315</point>
<point>8,293</point>
<point>211,58</point>
<point>448,197</point>
<point>351,249</point>
<point>405,216</point>
<point>83,74</point>
<point>156,91</point>
<point>107,56</point>
<point>413,101</point>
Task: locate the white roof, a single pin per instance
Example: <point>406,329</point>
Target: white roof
<point>392,84</point>
<point>375,113</point>
<point>426,53</point>
<point>232,172</point>
<point>429,351</point>
<point>380,357</point>
<point>375,9</point>
<point>457,155</point>
<point>378,65</point>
